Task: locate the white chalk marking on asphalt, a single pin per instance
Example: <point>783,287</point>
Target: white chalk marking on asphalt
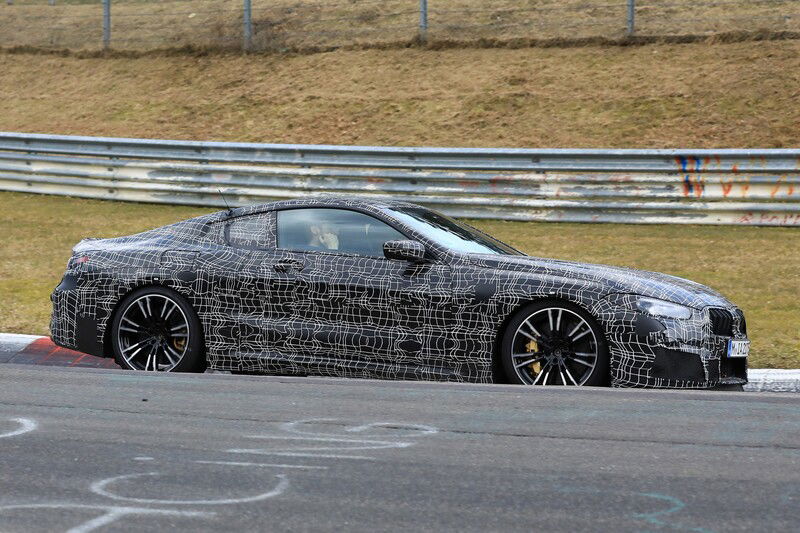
<point>99,488</point>
<point>338,442</point>
<point>26,426</point>
<point>421,428</point>
<point>361,443</point>
<point>112,513</point>
<point>266,465</point>
<point>296,454</point>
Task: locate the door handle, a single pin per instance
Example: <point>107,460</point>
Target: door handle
<point>288,264</point>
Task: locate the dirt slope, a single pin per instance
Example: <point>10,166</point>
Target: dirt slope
<point>690,95</point>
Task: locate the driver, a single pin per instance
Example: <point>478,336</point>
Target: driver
<point>324,236</point>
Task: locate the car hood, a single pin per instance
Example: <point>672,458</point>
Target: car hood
<point>610,279</point>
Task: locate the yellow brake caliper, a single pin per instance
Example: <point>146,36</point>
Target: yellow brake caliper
<point>533,347</point>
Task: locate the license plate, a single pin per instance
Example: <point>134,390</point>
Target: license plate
<point>738,348</point>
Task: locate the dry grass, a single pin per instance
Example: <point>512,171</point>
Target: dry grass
<point>743,95</point>
<point>755,267</point>
<point>289,24</point>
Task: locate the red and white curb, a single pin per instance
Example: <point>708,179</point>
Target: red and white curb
<point>39,350</point>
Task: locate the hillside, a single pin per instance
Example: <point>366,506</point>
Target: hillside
<point>679,95</point>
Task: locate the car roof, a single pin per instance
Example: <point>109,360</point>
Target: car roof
<point>327,200</point>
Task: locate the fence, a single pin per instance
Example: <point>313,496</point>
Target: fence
<point>748,187</point>
<point>291,24</point>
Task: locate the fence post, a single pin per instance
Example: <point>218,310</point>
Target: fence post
<point>106,24</point>
<point>631,16</point>
<point>248,25</point>
<point>423,21</point>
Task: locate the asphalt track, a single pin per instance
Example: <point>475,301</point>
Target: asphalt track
<point>107,450</point>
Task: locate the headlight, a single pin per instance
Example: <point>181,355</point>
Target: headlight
<point>655,307</point>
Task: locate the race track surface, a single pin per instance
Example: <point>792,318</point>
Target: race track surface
<point>109,450</point>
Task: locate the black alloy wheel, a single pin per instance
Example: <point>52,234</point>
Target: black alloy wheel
<point>555,343</point>
<point>156,330</point>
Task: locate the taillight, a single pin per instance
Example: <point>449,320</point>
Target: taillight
<point>76,261</point>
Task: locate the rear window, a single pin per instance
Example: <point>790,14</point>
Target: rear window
<point>254,231</point>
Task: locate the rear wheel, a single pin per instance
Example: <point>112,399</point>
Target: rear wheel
<point>554,343</point>
<point>156,329</point>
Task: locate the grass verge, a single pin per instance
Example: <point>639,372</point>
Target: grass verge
<point>755,267</point>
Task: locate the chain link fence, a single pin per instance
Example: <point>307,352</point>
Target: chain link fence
<point>282,25</point>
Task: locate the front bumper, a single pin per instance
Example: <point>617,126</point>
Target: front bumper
<point>659,352</point>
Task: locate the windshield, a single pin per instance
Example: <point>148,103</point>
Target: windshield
<point>450,233</point>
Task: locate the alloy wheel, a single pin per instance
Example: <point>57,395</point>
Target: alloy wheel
<point>554,346</point>
<point>153,333</point>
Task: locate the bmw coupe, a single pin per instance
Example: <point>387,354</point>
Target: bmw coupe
<point>385,289</point>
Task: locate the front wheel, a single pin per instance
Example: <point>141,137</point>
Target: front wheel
<point>554,343</point>
<point>156,329</point>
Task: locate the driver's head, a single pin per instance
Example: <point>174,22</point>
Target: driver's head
<point>326,235</point>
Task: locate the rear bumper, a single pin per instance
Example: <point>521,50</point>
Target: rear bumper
<point>70,326</point>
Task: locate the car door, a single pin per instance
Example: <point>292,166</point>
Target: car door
<point>354,311</point>
<point>251,292</point>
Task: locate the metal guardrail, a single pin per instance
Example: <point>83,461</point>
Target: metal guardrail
<point>747,187</point>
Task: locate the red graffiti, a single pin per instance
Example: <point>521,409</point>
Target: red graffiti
<point>775,189</point>
<point>745,188</point>
<point>699,187</point>
<point>494,181</point>
<point>780,220</point>
<point>727,185</point>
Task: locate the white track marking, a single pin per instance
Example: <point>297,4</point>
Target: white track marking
<point>293,427</point>
<point>335,442</point>
<point>99,488</point>
<point>111,514</point>
<point>26,426</point>
<point>257,451</point>
<point>421,428</point>
<point>265,465</point>
<point>360,444</point>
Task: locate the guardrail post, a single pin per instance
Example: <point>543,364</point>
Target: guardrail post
<point>631,16</point>
<point>248,26</point>
<point>423,21</point>
<point>106,24</point>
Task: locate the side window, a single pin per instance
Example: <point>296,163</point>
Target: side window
<point>254,231</point>
<point>333,230</point>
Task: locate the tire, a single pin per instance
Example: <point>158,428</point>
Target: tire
<point>553,342</point>
<point>155,329</point>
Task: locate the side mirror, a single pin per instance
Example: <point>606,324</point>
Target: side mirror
<point>404,250</point>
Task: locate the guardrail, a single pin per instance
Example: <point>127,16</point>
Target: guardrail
<point>748,187</point>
